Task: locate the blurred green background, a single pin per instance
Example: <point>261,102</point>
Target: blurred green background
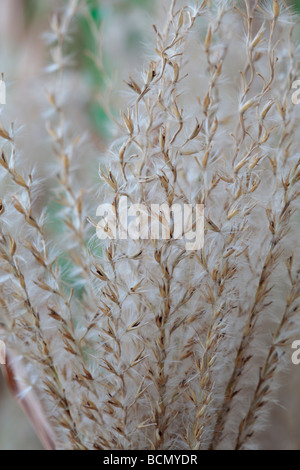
<point>23,57</point>
<point>124,24</point>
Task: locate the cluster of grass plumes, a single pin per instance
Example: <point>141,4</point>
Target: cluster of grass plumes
<point>153,346</point>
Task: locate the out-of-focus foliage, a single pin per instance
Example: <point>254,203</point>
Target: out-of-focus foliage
<point>26,20</point>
